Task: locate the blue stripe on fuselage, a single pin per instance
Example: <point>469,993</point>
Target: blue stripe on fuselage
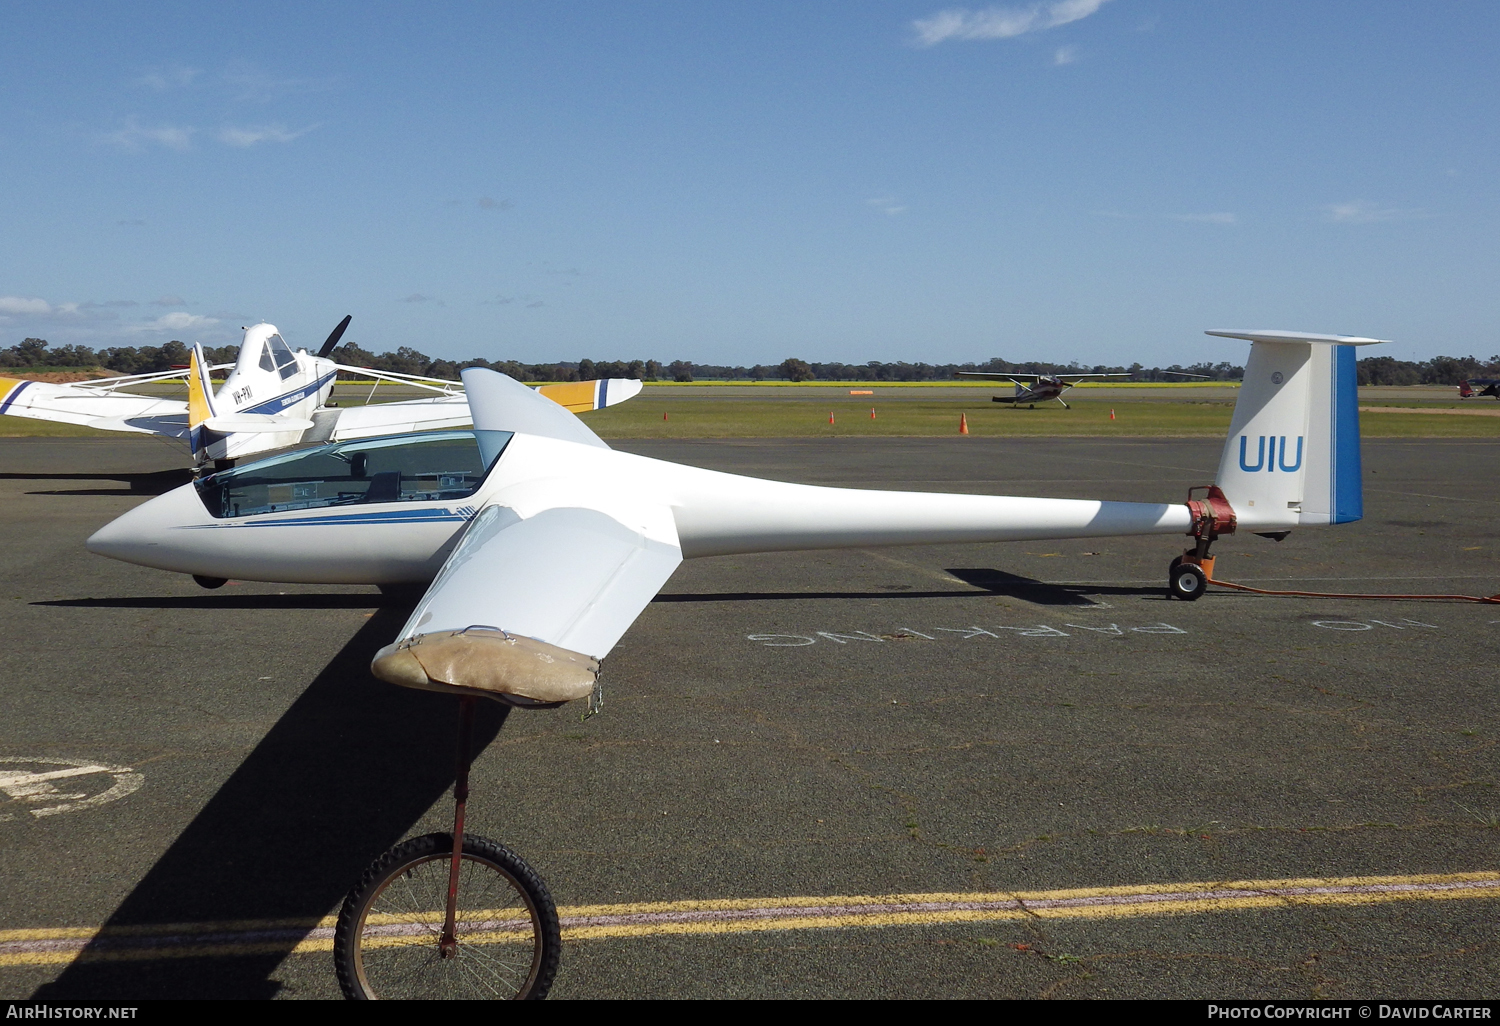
<point>286,399</point>
<point>393,516</point>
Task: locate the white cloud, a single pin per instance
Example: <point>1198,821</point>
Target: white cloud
<point>167,78</point>
<point>1221,217</point>
<point>256,85</point>
<point>1001,22</point>
<point>133,137</point>
<point>17,305</point>
<point>177,320</point>
<point>1360,212</point>
<point>247,137</point>
<point>887,205</point>
<point>168,301</point>
<point>1065,55</point>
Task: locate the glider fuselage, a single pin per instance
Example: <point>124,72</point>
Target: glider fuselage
<point>392,516</point>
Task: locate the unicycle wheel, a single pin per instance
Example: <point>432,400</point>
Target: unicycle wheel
<point>386,944</point>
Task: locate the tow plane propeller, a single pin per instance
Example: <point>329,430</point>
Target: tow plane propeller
<point>334,336</point>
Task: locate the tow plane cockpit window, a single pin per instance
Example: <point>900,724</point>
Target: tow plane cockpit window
<point>432,466</point>
<point>286,360</point>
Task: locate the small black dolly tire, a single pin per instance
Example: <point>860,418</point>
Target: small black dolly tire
<point>386,941</point>
<point>1188,582</point>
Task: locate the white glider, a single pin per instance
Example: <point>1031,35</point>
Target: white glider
<point>542,545</point>
<point>273,398</point>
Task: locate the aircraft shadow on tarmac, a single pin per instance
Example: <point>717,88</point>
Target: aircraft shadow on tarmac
<point>342,776</point>
<point>989,581</point>
<point>206,601</point>
<point>156,483</point>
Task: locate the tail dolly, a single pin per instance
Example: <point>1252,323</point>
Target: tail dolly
<point>1213,517</point>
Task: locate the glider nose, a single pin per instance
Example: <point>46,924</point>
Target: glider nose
<point>143,535</point>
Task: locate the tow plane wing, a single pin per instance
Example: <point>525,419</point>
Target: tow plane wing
<point>100,403</point>
<point>449,406</point>
<point>272,398</point>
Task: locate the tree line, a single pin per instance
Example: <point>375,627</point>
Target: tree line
<point>1373,370</point>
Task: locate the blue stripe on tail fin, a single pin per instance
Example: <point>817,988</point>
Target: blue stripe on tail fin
<point>1347,483</point>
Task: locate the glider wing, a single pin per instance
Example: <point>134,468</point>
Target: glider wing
<point>524,608</point>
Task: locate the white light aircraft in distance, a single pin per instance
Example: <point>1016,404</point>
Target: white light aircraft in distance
<point>273,398</point>
<point>1040,388</point>
<point>542,545</point>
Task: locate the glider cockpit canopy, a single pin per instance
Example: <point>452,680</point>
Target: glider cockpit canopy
<point>432,466</point>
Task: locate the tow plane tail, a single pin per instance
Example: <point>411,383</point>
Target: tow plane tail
<point>1292,455</point>
<point>200,402</point>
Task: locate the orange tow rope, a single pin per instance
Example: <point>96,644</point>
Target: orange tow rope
<point>1492,599</point>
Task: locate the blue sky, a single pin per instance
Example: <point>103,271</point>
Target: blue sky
<point>1097,180</point>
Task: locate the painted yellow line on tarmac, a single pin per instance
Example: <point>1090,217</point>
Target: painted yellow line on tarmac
<point>240,938</point>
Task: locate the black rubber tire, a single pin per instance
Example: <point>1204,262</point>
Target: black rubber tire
<point>210,582</point>
<point>487,866</point>
<point>1187,582</point>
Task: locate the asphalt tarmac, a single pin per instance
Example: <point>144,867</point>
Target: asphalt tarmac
<point>944,720</point>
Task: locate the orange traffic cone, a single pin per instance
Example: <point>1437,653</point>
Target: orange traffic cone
<point>872,413</point>
<point>830,418</point>
<point>963,423</point>
<point>663,414</point>
<point>1111,414</point>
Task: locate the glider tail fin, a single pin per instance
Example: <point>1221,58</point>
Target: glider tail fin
<point>1292,456</point>
<point>200,401</point>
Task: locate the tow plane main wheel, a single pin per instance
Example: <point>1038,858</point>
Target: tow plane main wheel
<point>1187,582</point>
<point>388,940</point>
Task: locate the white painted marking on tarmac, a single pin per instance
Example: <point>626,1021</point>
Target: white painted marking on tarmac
<point>955,634</point>
<point>782,640</point>
<point>1362,625</point>
<point>844,639</point>
<point>30,785</point>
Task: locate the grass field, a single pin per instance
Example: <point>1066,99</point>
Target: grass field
<point>642,418</point>
<point>749,418</point>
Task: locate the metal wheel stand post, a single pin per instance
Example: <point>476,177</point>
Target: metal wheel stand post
<point>448,945</point>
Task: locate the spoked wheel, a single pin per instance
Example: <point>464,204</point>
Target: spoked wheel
<point>388,943</point>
